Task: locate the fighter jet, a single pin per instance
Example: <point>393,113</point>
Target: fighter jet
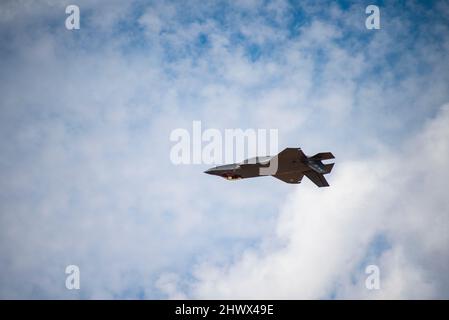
<point>289,165</point>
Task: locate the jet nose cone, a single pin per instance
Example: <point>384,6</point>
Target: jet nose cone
<point>208,171</point>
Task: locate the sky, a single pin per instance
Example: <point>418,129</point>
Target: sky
<point>86,176</point>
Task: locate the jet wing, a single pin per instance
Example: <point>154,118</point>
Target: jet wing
<point>317,178</point>
<point>289,155</point>
<point>293,177</point>
<point>285,159</point>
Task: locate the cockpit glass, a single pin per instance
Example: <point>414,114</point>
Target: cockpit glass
<point>255,160</point>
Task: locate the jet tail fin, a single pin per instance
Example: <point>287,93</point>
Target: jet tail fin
<point>328,168</point>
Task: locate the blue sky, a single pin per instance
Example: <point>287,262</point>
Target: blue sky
<point>86,117</point>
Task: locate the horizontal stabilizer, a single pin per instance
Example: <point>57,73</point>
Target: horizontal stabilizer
<point>317,178</point>
<point>323,156</point>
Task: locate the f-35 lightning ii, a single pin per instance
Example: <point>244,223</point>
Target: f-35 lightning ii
<point>289,165</point>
